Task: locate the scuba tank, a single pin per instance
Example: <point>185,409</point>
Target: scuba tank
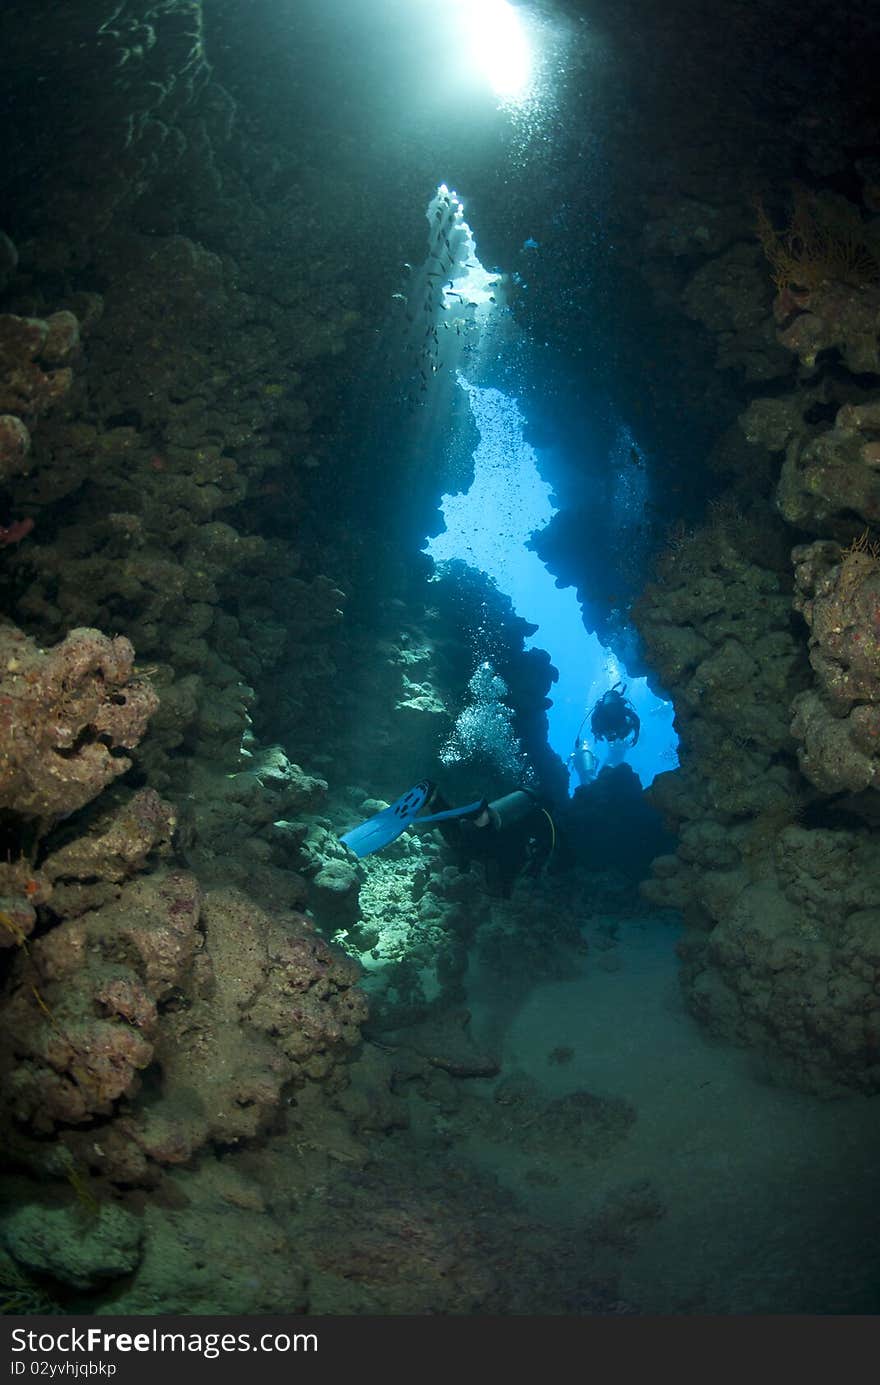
<point>503,812</point>
<point>584,763</point>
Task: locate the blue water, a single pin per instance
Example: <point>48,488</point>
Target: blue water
<point>489,527</point>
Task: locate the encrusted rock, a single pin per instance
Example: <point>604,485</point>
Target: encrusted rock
<point>829,477</point>
<point>790,965</point>
<point>838,722</point>
<point>117,845</point>
<point>27,345</point>
<point>335,891</point>
<point>81,1251</point>
<point>15,444</point>
<point>80,1013</point>
<point>840,316</point>
<point>66,715</point>
<point>229,1005</point>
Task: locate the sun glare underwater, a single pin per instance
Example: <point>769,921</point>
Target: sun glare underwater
<point>494,42</point>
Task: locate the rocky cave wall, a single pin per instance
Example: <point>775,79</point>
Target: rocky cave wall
<point>169,375</point>
<point>184,305</point>
<point>761,246</point>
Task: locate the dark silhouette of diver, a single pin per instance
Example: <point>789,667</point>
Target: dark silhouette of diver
<point>613,717</point>
<point>512,834</point>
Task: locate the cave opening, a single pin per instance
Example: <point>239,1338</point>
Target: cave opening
<point>495,524</point>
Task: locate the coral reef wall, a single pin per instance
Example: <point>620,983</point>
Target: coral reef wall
<point>761,618</point>
<point>169,375</point>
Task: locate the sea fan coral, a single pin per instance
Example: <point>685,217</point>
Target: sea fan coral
<point>822,242</point>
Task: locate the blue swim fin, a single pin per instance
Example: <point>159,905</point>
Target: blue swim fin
<point>386,827</point>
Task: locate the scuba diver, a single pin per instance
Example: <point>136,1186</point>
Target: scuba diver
<point>511,835</point>
<point>613,717</point>
<point>583,761</point>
